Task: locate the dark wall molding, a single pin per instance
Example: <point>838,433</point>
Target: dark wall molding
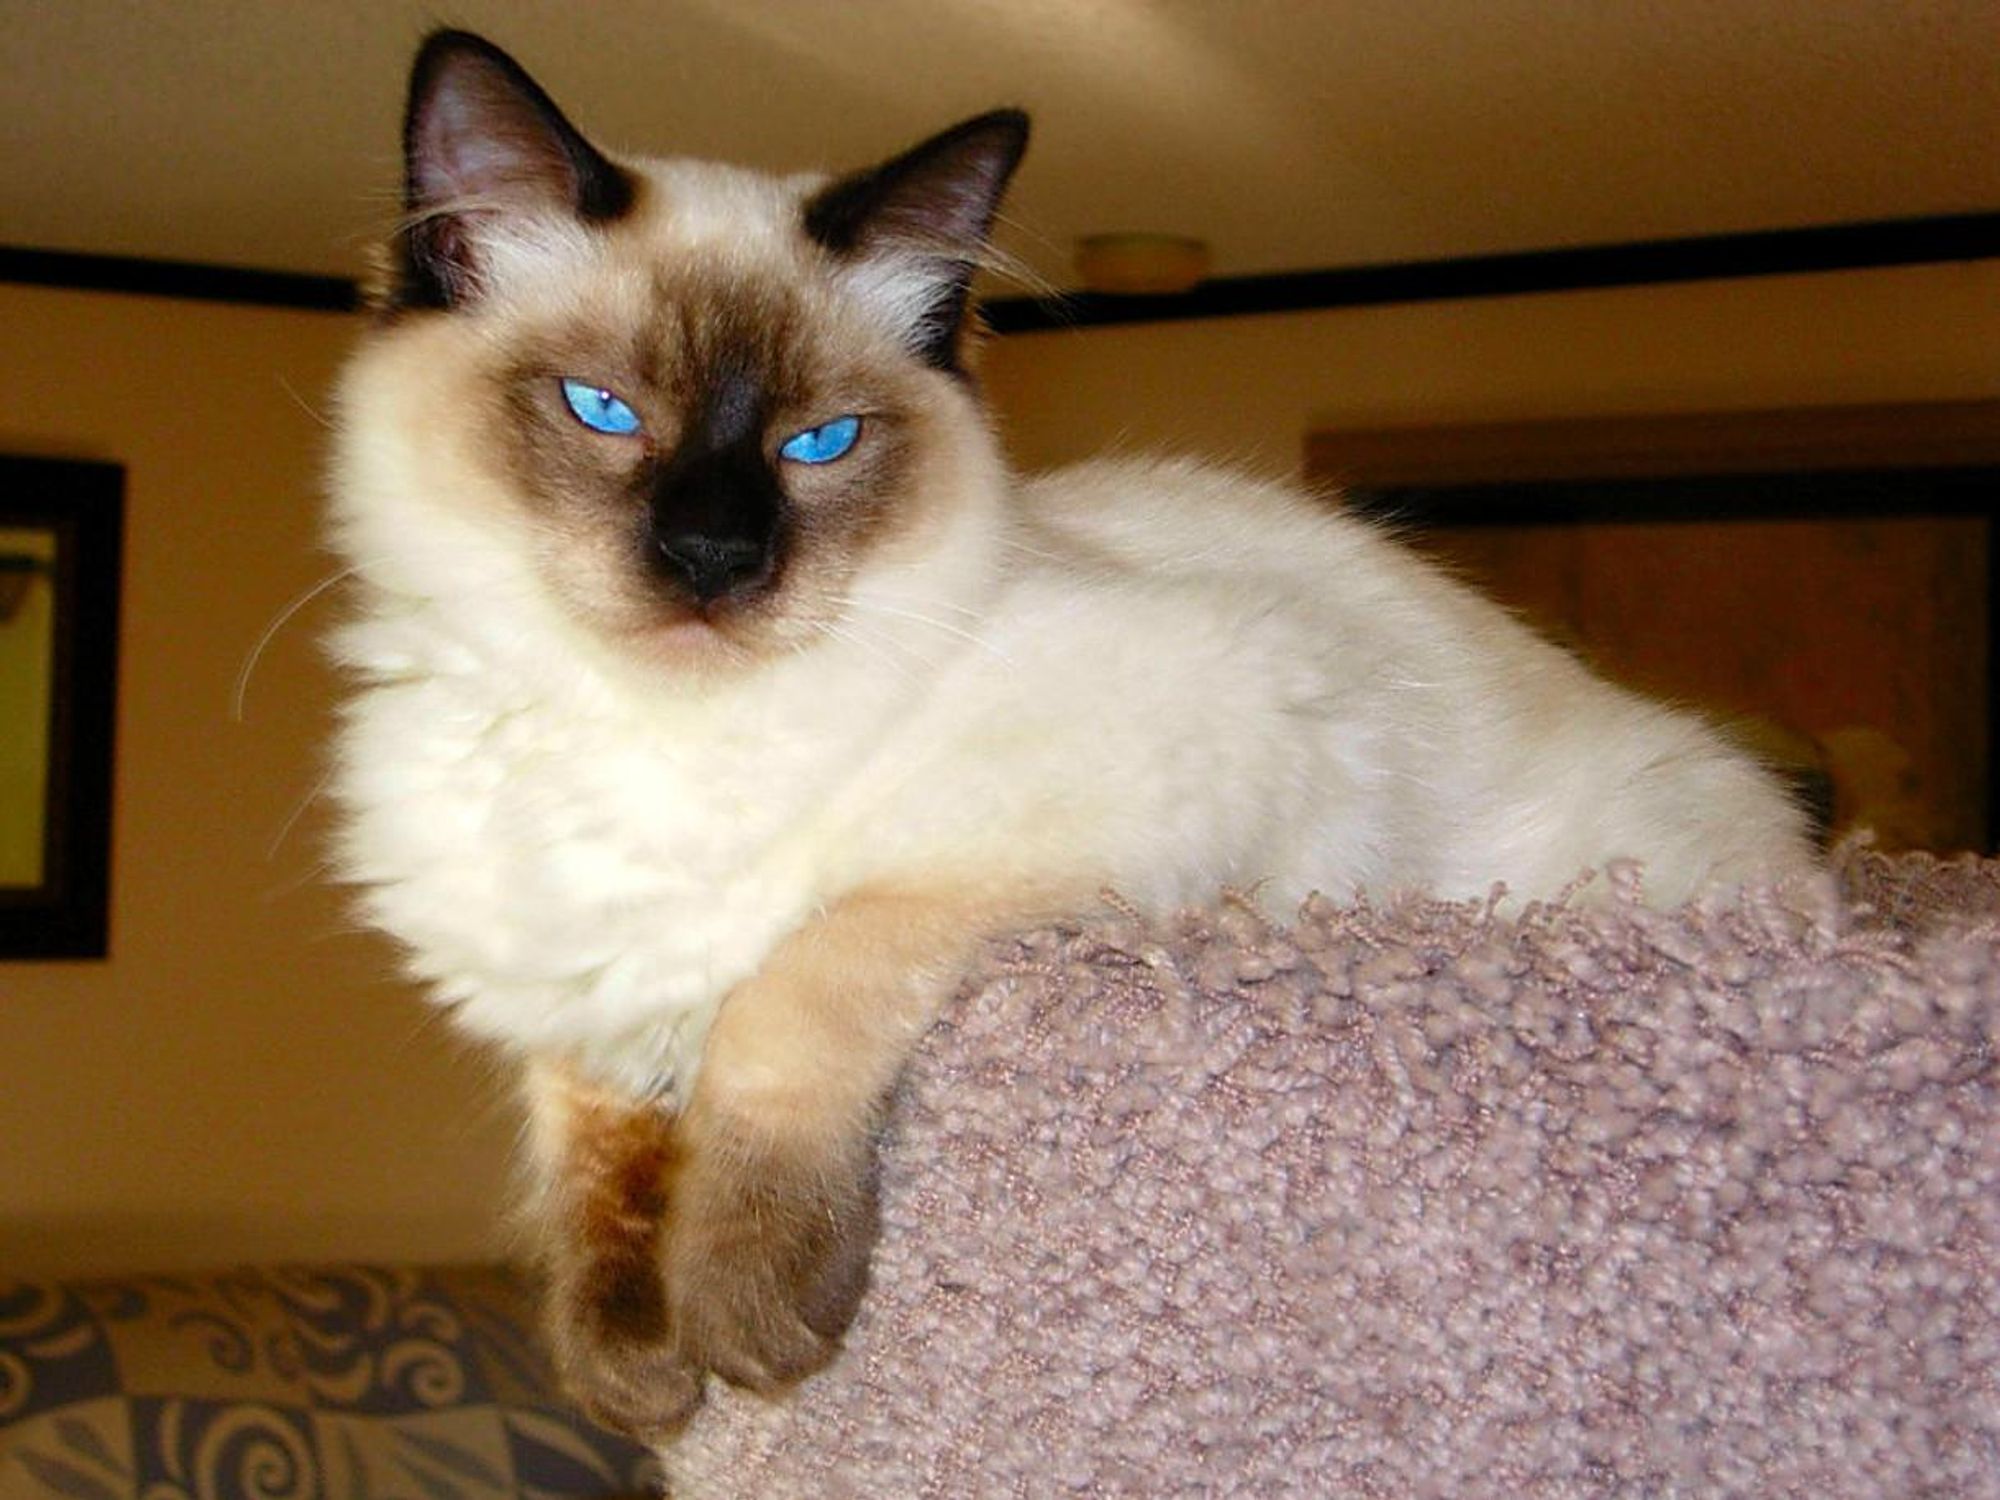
<point>177,278</point>
<point>1775,252</point>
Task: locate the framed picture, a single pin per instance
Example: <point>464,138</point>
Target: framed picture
<point>61,545</point>
<point>1821,582</point>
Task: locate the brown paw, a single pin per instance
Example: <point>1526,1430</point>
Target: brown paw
<point>767,1261</point>
<point>615,1350</point>
<point>645,1390</point>
<point>606,1303</point>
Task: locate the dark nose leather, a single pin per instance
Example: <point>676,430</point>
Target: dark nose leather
<point>716,521</point>
<point>711,567</point>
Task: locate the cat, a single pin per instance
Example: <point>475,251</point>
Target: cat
<point>718,690</point>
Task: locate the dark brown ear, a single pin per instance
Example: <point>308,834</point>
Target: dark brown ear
<point>482,140</point>
<point>930,210</point>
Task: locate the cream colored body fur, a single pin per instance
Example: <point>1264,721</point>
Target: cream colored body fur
<point>1167,679</point>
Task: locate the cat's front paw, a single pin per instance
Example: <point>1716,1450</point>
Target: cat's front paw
<point>767,1260</point>
<point>616,1357</point>
<point>647,1391</point>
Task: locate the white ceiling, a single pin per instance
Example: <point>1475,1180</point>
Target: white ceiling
<point>1290,133</point>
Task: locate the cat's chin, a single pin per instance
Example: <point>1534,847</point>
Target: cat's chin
<point>692,643</point>
<point>700,644</point>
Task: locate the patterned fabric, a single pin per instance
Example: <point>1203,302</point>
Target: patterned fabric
<point>338,1383</point>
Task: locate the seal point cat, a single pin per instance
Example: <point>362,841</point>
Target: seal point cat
<point>718,689</point>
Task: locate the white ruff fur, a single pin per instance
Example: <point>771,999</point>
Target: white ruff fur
<point>1151,676</point>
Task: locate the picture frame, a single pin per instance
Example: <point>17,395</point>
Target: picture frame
<point>62,528</point>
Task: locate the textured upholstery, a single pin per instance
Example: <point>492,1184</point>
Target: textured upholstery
<point>345,1382</point>
<point>1430,1199</point>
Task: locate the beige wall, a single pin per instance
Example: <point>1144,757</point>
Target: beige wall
<point>241,1079</point>
<point>1249,388</point>
<point>238,1080</point>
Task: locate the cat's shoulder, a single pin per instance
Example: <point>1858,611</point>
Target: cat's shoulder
<point>1118,480</point>
<point>1177,508</point>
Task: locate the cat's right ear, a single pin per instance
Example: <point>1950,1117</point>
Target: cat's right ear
<point>483,142</point>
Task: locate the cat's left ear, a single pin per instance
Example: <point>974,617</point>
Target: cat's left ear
<point>916,227</point>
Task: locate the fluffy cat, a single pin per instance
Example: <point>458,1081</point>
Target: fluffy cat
<point>718,689</point>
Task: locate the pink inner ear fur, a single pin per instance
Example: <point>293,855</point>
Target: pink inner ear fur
<point>481,135</point>
<point>476,147</point>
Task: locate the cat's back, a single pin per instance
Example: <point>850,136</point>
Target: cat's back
<point>1180,515</point>
<point>1223,545</point>
<point>1204,677</point>
<point>1445,743</point>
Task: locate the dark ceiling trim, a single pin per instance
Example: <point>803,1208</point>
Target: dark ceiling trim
<point>177,278</point>
<point>1833,247</point>
<point>1775,252</point>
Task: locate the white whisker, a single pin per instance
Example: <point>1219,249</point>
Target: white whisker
<point>874,649</point>
<point>944,626</point>
<point>957,609</point>
<point>297,812</point>
<point>1025,549</point>
<point>242,686</point>
<point>304,405</point>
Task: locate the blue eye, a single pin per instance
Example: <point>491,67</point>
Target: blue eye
<point>822,445</point>
<point>598,409</point>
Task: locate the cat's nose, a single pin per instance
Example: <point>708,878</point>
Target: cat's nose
<point>714,566</point>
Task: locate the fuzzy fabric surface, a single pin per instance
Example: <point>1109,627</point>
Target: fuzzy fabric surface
<point>1421,1200</point>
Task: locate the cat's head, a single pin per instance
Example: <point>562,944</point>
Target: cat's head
<point>703,412</point>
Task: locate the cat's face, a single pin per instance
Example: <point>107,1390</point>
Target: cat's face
<point>697,408</point>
